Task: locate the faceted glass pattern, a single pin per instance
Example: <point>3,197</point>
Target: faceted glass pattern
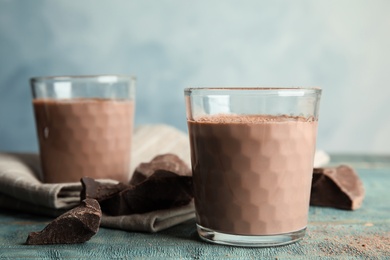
<point>252,178</point>
<point>84,137</point>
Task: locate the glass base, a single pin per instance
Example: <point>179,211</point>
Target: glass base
<point>249,240</point>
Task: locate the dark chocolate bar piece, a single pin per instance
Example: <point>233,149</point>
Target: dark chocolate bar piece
<point>338,187</point>
<point>162,190</point>
<point>167,162</point>
<point>75,226</point>
<point>92,189</point>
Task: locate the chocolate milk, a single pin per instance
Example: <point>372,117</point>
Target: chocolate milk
<point>84,137</point>
<point>252,174</point>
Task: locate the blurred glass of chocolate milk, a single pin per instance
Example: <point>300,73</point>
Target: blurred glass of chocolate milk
<point>84,126</point>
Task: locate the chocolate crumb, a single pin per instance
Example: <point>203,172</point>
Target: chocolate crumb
<point>77,225</point>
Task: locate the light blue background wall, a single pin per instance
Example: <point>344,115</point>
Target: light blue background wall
<point>342,46</point>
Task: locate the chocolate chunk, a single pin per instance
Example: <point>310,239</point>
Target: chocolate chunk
<point>99,191</point>
<point>162,190</point>
<point>167,162</point>
<point>336,187</point>
<point>75,226</point>
<point>163,183</point>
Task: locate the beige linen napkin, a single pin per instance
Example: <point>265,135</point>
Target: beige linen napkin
<point>151,221</point>
<point>20,178</point>
<point>21,187</point>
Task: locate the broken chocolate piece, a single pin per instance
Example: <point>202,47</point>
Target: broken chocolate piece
<point>99,191</point>
<point>162,190</point>
<point>167,162</point>
<point>163,183</point>
<point>336,187</point>
<point>75,226</point>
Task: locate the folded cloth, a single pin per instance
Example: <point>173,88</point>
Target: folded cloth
<point>7,202</point>
<point>321,158</point>
<point>21,186</point>
<point>20,178</point>
<point>152,221</point>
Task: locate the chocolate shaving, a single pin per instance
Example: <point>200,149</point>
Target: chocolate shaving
<point>75,226</point>
<point>167,162</point>
<point>162,190</point>
<point>336,187</point>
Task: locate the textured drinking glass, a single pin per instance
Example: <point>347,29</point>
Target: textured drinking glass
<point>252,153</point>
<point>84,126</point>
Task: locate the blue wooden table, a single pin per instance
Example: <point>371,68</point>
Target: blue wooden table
<point>364,233</point>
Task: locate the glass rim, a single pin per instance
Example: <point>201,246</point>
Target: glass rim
<point>106,77</point>
<point>225,90</point>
